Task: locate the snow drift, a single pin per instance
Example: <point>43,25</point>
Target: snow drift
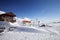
<point>18,23</point>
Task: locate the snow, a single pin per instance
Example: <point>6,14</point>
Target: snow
<point>54,31</point>
<point>2,24</point>
<point>30,33</point>
<point>2,12</point>
<point>28,19</point>
<point>28,36</point>
<point>30,29</point>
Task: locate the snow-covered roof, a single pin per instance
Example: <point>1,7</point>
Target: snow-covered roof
<point>27,19</point>
<point>2,12</point>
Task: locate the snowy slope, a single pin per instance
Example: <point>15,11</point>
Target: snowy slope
<point>31,33</point>
<point>2,24</point>
<point>28,36</point>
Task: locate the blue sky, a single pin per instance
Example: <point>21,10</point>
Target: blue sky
<point>41,9</point>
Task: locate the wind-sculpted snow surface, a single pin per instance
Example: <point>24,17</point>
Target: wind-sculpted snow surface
<point>30,29</point>
<point>28,36</point>
<point>31,33</point>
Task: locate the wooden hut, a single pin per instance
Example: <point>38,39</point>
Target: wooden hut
<point>7,17</point>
